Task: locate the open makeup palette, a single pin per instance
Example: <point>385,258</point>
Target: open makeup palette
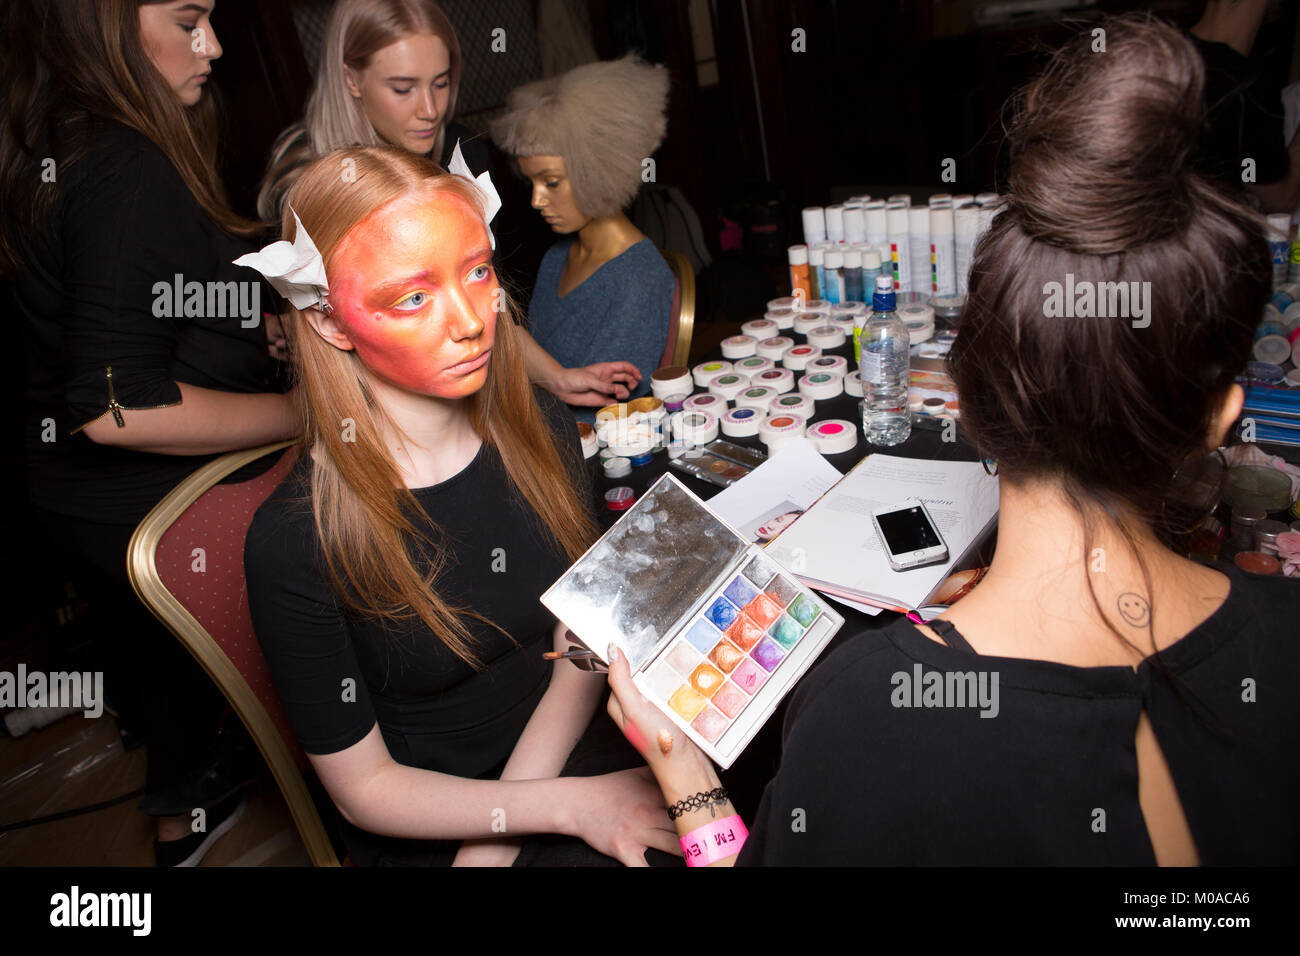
<point>714,630</point>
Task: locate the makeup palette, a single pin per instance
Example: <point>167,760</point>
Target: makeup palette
<point>715,631</point>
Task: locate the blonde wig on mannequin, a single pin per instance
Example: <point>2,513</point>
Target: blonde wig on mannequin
<point>604,119</point>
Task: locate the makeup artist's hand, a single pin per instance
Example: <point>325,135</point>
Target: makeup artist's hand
<point>680,767</point>
<point>595,385</point>
<point>622,814</point>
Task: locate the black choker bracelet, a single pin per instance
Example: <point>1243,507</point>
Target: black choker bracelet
<point>698,801</point>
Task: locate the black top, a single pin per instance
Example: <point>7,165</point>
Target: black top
<point>863,781</point>
<point>97,290</point>
<point>1244,116</point>
<point>434,711</point>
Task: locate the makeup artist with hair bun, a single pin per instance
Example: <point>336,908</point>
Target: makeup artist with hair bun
<point>109,190</point>
<point>582,140</point>
<point>389,72</point>
<point>394,577</point>
<point>1120,688</point>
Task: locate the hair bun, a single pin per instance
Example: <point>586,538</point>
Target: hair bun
<point>1101,148</point>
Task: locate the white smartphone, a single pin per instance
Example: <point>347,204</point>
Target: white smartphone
<point>909,535</point>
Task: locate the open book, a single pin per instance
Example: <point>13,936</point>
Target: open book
<point>833,546</point>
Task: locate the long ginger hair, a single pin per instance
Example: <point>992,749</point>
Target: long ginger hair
<point>365,517</point>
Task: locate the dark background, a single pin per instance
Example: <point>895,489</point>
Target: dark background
<point>884,92</point>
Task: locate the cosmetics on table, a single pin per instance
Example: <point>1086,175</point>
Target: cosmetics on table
<point>720,462</point>
<point>715,632</point>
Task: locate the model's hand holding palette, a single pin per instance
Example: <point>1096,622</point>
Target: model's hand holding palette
<point>714,631</point>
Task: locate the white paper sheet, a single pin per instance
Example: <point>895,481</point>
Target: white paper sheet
<point>768,497</point>
<point>835,543</point>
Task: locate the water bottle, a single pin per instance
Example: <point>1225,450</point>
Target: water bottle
<point>883,367</point>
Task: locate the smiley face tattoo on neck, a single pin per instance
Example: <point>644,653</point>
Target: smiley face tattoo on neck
<point>1134,609</point>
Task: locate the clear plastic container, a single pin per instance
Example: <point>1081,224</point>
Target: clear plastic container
<point>884,369</point>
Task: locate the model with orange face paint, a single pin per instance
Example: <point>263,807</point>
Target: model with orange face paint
<point>389,73</point>
<point>445,495</point>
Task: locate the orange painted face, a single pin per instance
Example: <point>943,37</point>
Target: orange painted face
<point>413,289</point>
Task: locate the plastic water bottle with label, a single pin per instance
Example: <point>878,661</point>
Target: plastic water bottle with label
<point>882,345</point>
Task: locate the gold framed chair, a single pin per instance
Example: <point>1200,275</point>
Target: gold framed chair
<point>682,324</point>
<point>186,563</point>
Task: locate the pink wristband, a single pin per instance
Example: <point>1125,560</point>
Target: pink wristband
<point>714,841</point>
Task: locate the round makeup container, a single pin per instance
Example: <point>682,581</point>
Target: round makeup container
<point>670,380</point>
<point>826,337</point>
<point>833,436</point>
<point>674,403</point>
<point>738,346</point>
<point>797,358</point>
<point>785,302</point>
<point>697,428</point>
<point>1273,349</point>
<point>760,328</point>
<point>753,365</point>
<point>775,347</point>
<point>618,467</point>
<point>728,386</point>
<point>706,372</point>
<point>821,386</point>
<point>947,309</point>
<point>853,385</point>
<point>741,422</point>
<point>1266,533</point>
<point>590,444</point>
<point>834,364</point>
<point>1256,562</point>
<point>1242,527</point>
<point>780,379</point>
<point>806,321</point>
<point>620,498</point>
<point>919,320</point>
<point>1257,486</point>
<point>756,396</point>
<point>1265,373</point>
<point>705,403</point>
<point>800,405</point>
<point>780,429</point>
<point>784,318</point>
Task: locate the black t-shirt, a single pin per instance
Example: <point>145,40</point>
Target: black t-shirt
<point>863,781</point>
<point>97,290</point>
<point>1244,116</point>
<point>434,711</point>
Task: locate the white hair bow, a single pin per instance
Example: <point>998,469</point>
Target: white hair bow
<point>491,201</point>
<point>295,269</point>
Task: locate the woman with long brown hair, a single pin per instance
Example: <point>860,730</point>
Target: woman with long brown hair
<point>394,577</point>
<point>1135,707</point>
<point>113,217</point>
<point>389,72</point>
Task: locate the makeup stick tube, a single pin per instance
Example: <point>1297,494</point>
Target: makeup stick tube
<point>855,223</point>
<point>918,242</point>
<point>814,225</point>
<point>900,247</point>
<point>965,231</point>
<point>877,223</point>
<point>835,223</point>
<point>942,251</point>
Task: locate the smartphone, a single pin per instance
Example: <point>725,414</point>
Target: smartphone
<point>909,535</point>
